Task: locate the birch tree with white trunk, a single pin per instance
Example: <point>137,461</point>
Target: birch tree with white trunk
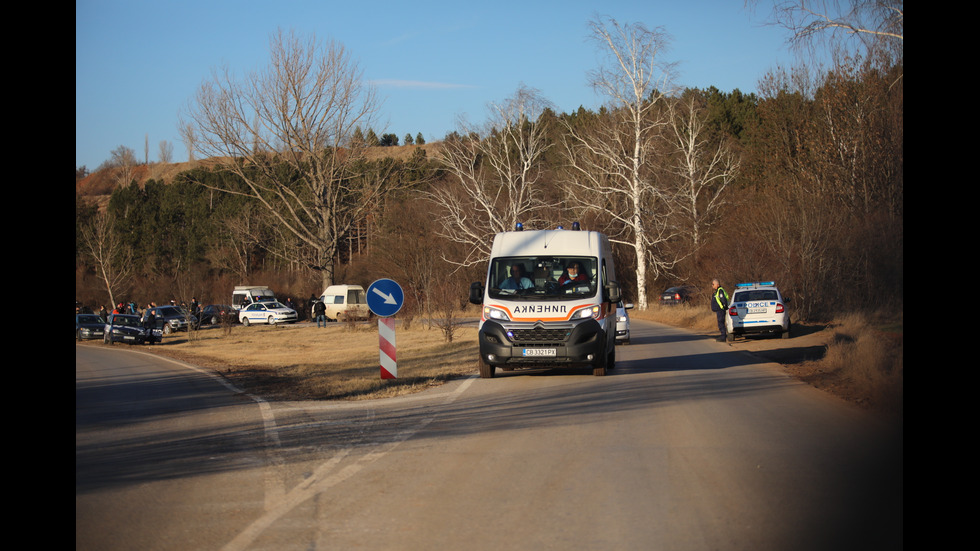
<point>615,164</point>
<point>704,165</point>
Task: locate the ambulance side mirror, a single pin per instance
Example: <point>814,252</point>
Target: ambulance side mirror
<point>476,292</point>
<point>612,292</point>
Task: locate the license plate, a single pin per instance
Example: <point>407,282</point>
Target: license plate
<point>547,352</point>
<point>758,310</point>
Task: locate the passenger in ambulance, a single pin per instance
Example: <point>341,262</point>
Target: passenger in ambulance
<point>573,274</point>
<point>517,279</point>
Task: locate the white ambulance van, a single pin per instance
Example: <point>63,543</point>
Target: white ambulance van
<point>549,300</point>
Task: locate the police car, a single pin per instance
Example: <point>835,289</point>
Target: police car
<point>757,308</point>
<point>267,311</point>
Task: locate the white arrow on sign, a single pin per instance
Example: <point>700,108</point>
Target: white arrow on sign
<point>389,299</point>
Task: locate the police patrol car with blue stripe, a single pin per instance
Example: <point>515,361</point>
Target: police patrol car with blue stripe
<point>757,308</point>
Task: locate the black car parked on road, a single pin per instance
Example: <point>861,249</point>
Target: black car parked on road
<point>677,295</point>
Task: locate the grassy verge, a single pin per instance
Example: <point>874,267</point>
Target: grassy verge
<point>338,362</point>
<point>865,360</point>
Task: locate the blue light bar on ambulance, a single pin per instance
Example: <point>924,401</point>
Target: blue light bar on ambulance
<point>756,283</point>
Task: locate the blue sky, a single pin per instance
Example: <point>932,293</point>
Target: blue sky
<point>137,62</point>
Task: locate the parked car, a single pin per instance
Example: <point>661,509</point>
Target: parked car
<point>213,314</point>
<point>677,295</point>
<point>172,318</point>
<point>623,323</point>
<point>271,312</point>
<point>758,308</point>
<point>89,326</point>
<point>345,301</point>
<point>125,328</point>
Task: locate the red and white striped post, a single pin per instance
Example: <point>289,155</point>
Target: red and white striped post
<point>386,338</point>
<point>385,298</point>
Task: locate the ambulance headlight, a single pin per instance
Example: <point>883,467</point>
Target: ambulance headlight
<point>492,313</point>
<point>590,312</point>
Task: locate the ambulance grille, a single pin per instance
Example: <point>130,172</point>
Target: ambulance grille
<point>541,336</point>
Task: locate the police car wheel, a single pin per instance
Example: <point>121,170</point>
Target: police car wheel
<point>245,322</point>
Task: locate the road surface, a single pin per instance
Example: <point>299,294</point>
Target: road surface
<point>687,445</point>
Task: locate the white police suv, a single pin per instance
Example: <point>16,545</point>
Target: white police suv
<point>757,308</point>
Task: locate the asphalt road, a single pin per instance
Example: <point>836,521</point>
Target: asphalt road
<point>686,445</point>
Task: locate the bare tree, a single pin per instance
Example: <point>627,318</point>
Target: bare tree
<point>236,240</point>
<point>122,165</point>
<point>109,255</point>
<point>495,171</point>
<point>166,154</point>
<point>285,133</point>
<point>189,137</point>
<point>705,166</point>
<point>874,24</point>
<point>614,163</point>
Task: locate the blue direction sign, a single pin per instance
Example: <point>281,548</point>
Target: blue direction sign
<point>385,298</point>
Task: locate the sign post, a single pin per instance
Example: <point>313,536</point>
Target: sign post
<point>385,299</point>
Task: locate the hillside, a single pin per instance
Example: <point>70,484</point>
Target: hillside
<point>98,186</point>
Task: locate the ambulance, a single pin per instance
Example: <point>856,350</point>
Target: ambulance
<point>549,300</point>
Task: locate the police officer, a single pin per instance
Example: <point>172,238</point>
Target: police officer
<point>719,305</point>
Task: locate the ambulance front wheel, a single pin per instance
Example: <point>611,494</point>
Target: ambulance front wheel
<point>486,370</point>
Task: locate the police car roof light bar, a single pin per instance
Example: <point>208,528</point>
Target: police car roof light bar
<point>756,283</point>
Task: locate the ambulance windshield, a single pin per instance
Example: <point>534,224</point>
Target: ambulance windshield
<point>542,277</point>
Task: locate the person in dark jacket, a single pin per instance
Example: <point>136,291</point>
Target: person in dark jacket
<point>319,312</point>
<point>149,323</point>
<point>719,305</point>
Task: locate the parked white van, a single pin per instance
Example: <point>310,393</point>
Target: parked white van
<point>549,300</point>
<point>247,294</point>
<point>345,302</point>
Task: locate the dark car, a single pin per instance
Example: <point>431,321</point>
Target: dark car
<point>89,326</point>
<point>213,314</point>
<point>677,295</point>
<point>172,318</point>
<point>124,328</point>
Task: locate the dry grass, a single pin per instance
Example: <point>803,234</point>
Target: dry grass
<point>339,362</point>
<point>868,360</point>
<point>698,318</point>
